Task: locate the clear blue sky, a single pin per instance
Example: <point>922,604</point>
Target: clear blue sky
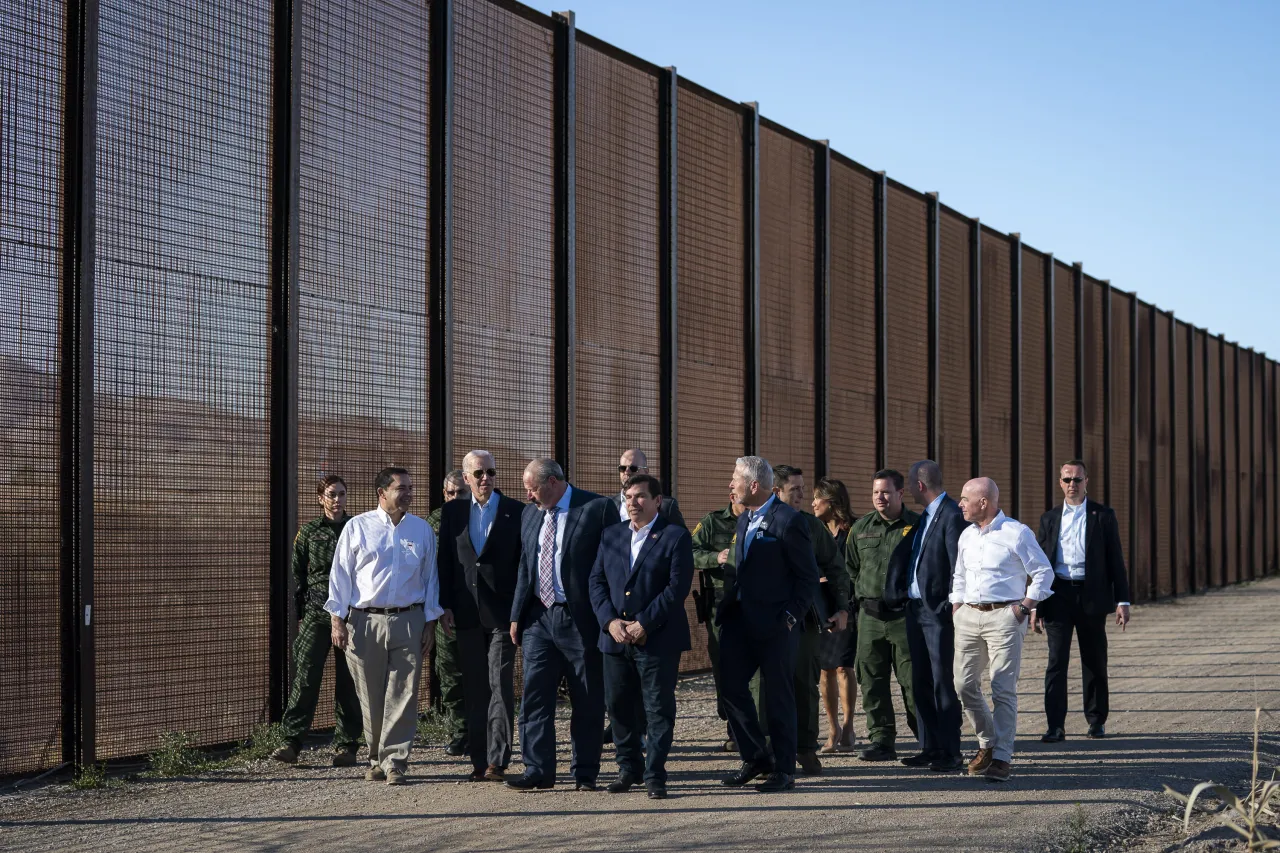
<point>1137,138</point>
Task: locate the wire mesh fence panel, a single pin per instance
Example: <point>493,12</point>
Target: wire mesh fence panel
<point>710,223</point>
<point>907,306</point>
<point>1216,469</point>
<point>503,239</point>
<point>31,116</point>
<point>955,339</point>
<point>996,455</point>
<point>1166,570</point>
<point>180,356</point>
<point>1205,521</point>
<point>1180,496</point>
<point>1094,403</point>
<point>1272,454</point>
<point>363,219</point>
<point>851,394</point>
<point>1231,472</point>
<point>1257,486</point>
<point>1118,412</point>
<point>1064,362</point>
<point>617,344</point>
<point>1039,470</point>
<point>787,315</point>
<point>1144,557</point>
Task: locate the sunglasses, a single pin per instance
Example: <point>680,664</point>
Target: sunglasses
<point>480,472</point>
<point>628,469</point>
<point>1069,480</point>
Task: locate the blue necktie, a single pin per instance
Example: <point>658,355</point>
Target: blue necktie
<point>919,543</point>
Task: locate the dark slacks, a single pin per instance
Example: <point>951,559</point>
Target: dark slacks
<point>741,655</point>
<point>931,641</point>
<point>488,663</point>
<point>640,691</point>
<point>807,672</point>
<point>447,669</point>
<point>1091,633</point>
<point>552,647</point>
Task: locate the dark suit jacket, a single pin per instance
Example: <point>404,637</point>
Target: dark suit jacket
<point>668,509</point>
<point>652,594</point>
<point>1105,578</point>
<point>589,514</point>
<point>937,561</point>
<point>478,588</point>
<point>778,576</point>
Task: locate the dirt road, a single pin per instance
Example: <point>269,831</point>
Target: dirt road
<point>1185,680</point>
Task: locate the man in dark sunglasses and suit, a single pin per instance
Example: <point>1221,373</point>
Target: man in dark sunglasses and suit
<point>633,462</point>
<point>1082,539</point>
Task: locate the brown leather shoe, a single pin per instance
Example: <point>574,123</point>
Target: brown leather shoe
<point>980,762</point>
<point>998,771</point>
<point>495,774</point>
<point>476,775</point>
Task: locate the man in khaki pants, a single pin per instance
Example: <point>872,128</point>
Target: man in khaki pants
<point>384,601</point>
<point>991,604</point>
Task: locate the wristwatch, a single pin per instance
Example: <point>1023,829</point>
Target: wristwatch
<point>1024,609</point>
<point>791,620</point>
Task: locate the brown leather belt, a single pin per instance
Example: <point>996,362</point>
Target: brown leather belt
<point>991,605</point>
<point>384,611</point>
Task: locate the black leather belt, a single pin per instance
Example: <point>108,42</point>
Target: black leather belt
<point>386,611</point>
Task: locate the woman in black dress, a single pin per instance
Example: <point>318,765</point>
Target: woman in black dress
<point>836,649</point>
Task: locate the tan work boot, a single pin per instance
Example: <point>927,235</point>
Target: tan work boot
<point>287,754</point>
<point>375,774</point>
<point>998,771</point>
<point>980,762</point>
<point>396,777</point>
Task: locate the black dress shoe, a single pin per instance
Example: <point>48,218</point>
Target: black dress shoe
<point>657,790</point>
<point>526,782</point>
<point>878,752</point>
<point>947,764</point>
<point>607,737</point>
<point>1097,730</point>
<point>748,771</point>
<point>585,785</point>
<point>457,746</point>
<point>776,782</point>
<point>622,784</point>
<point>1054,735</point>
<point>920,759</point>
<point>809,763</point>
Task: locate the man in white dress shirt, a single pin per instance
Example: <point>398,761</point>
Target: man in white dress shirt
<point>991,604</point>
<point>384,602</point>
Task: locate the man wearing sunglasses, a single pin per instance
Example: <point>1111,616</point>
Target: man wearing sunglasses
<point>633,462</point>
<point>1082,538</point>
<point>479,560</point>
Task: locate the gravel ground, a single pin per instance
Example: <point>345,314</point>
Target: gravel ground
<point>1185,680</point>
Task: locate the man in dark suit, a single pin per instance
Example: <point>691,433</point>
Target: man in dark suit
<point>641,577</point>
<point>633,462</point>
<point>479,559</point>
<point>1082,539</point>
<point>552,620</point>
<point>919,576</point>
<point>768,590</point>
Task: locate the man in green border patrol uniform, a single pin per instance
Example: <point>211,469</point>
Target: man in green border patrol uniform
<point>448,667</point>
<point>712,551</point>
<point>882,633</point>
<point>788,485</point>
<point>312,558</point>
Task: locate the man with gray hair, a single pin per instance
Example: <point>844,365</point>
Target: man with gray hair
<point>769,587</point>
<point>552,620</point>
<point>991,605</point>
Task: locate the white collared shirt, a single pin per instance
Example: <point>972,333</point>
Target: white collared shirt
<point>1069,560</point>
<point>562,517</point>
<point>637,539</point>
<point>481,520</point>
<point>930,513</point>
<point>755,517</point>
<point>379,563</point>
<point>994,562</point>
<point>622,507</point>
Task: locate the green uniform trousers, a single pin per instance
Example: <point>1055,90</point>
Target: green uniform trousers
<point>310,653</point>
<point>808,702</point>
<point>713,642</point>
<point>449,680</point>
<point>883,652</point>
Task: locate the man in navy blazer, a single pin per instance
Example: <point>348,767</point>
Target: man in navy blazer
<point>920,577</point>
<point>641,577</point>
<point>552,620</point>
<point>769,587</point>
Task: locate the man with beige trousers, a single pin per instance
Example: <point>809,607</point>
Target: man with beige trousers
<point>991,604</point>
<point>384,600</point>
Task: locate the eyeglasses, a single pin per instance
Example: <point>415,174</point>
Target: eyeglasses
<point>480,472</point>
<point>452,493</point>
<point>628,469</point>
<point>1070,480</point>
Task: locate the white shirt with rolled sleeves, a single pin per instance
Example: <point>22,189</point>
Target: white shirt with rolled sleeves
<point>382,564</point>
<point>994,562</point>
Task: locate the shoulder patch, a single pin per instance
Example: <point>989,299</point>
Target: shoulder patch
<point>907,530</point>
<point>734,539</point>
<point>696,528</point>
